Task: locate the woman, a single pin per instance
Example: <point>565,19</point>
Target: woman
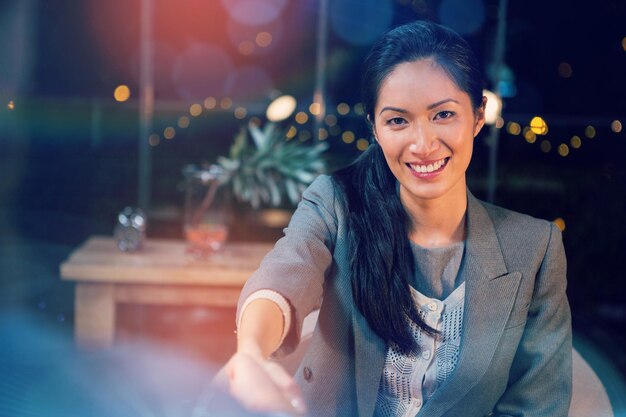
<point>431,302</point>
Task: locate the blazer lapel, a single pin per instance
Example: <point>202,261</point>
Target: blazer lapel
<point>489,295</point>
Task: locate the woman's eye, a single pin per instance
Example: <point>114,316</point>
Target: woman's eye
<point>395,121</point>
<point>445,114</point>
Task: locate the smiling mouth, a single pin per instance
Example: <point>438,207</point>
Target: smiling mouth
<point>429,168</point>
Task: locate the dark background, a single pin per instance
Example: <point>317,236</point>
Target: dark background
<point>69,151</point>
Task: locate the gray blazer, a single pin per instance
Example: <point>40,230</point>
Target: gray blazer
<point>515,357</point>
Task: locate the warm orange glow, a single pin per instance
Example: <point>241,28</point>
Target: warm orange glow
<point>240,112</point>
<point>590,132</point>
<point>210,103</point>
<point>563,149</point>
<point>513,128</point>
<point>616,126</point>
<point>302,117</point>
<point>292,132</point>
<point>154,139</point>
<point>121,93</point>
<point>347,136</point>
<point>315,109</point>
<point>263,39</point>
<point>169,132</point>
<point>529,135</point>
<point>343,109</point>
<point>538,126</point>
<point>195,110</point>
<point>226,103</point>
<point>11,105</point>
<point>246,48</point>
<point>362,144</point>
<point>499,123</point>
<point>576,142</point>
<point>183,122</point>
<point>331,120</point>
<point>560,223</point>
<point>323,134</point>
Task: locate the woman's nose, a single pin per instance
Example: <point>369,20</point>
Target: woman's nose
<point>424,141</point>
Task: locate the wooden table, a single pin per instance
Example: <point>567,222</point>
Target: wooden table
<point>162,273</point>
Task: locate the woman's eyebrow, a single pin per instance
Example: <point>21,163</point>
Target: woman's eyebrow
<point>389,108</point>
<point>439,103</point>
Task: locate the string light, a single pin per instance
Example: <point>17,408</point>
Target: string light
<point>616,126</point>
<point>11,105</point>
<point>362,144</point>
<point>565,70</point>
<point>240,112</point>
<point>513,128</point>
<point>291,133</point>
<point>169,133</point>
<point>315,109</point>
<point>195,110</point>
<point>347,136</point>
<point>246,48</point>
<point>576,142</point>
<point>563,149</point>
<point>226,103</point>
<point>331,120</point>
<point>154,139</point>
<point>538,126</point>
<point>121,93</point>
<point>343,109</point>
<point>210,103</point>
<point>263,39</point>
<point>302,118</point>
<point>322,134</point>
<point>545,146</point>
<point>590,132</point>
<point>183,122</point>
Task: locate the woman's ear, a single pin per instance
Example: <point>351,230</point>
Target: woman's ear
<point>480,116</point>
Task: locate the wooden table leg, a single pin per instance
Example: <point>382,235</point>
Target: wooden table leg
<point>94,323</point>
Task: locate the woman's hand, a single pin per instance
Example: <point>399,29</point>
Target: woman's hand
<point>261,385</point>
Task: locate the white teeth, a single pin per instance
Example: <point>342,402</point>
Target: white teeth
<point>430,167</point>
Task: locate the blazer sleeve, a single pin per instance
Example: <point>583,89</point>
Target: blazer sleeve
<point>540,380</point>
<point>297,265</point>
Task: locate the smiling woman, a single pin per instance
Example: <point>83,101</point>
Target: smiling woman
<point>430,301</point>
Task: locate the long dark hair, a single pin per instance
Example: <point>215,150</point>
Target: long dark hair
<point>381,259</point>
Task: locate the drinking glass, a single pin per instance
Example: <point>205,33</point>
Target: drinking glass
<point>207,209</point>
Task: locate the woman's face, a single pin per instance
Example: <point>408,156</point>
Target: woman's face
<point>426,126</point>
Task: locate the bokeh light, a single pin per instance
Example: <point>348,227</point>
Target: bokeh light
<point>330,119</point>
<point>292,132</point>
<point>226,103</point>
<point>304,135</point>
<point>281,108</point>
<point>11,105</point>
<point>565,70</point>
<point>590,132</point>
<point>246,48</point>
<point>359,109</point>
<point>529,135</point>
<point>348,136</point>
<point>563,149</point>
<point>210,103</point>
<point>575,142</point>
<point>121,93</point>
<point>538,126</point>
<point>322,134</point>
<point>315,109</point>
<point>154,140</point>
<point>362,144</point>
<point>302,117</point>
<point>499,123</point>
<point>343,108</point>
<point>263,39</point>
<point>169,133</point>
<point>195,110</point>
<point>616,126</point>
<point>513,128</point>
<point>183,122</point>
<point>560,223</point>
<point>494,107</point>
<point>624,43</point>
<point>545,146</point>
<point>240,112</point>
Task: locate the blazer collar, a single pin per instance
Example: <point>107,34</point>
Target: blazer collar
<point>488,302</point>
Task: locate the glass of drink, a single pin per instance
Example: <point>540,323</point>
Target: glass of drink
<point>207,210</point>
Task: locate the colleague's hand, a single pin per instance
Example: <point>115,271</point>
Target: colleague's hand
<point>261,385</point>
